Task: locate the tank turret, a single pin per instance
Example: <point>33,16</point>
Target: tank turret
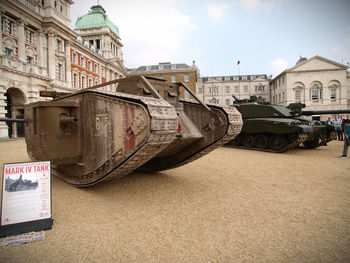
<point>277,128</point>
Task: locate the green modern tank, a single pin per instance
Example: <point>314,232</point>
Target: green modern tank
<point>278,128</point>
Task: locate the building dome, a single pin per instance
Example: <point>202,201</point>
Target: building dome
<point>96,18</point>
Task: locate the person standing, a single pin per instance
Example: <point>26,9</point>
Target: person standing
<point>337,123</point>
<point>329,122</point>
<point>346,137</point>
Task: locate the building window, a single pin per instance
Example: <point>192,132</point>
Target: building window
<point>58,44</point>
<point>8,52</point>
<point>59,71</point>
<point>227,89</point>
<point>90,82</point>
<point>74,58</point>
<point>200,90</point>
<point>55,4</point>
<point>187,78</point>
<point>283,96</point>
<point>103,71</point>
<point>29,60</point>
<point>259,87</point>
<point>187,94</point>
<point>96,68</point>
<point>236,89</point>
<point>333,94</point>
<point>314,92</point>
<point>30,36</point>
<point>75,80</point>
<point>173,79</point>
<point>83,79</point>
<point>227,101</point>
<point>245,88</point>
<point>82,61</point>
<point>297,95</point>
<point>89,65</point>
<point>10,26</point>
<point>97,44</point>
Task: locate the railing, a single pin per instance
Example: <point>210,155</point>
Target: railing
<point>14,63</point>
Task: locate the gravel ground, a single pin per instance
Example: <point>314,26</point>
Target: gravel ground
<point>232,205</point>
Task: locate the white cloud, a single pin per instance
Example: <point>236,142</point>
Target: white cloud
<point>267,5</point>
<point>340,50</point>
<point>151,31</point>
<point>277,66</point>
<point>217,10</point>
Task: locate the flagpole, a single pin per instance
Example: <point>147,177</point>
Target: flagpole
<point>239,79</point>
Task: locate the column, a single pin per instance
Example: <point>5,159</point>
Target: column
<point>51,55</point>
<point>68,65</point>
<point>21,40</point>
<point>14,124</point>
<point>41,52</point>
<point>1,47</point>
<point>3,125</point>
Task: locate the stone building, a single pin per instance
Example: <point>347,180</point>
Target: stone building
<point>171,73</point>
<point>219,89</point>
<point>319,83</point>
<point>39,52</point>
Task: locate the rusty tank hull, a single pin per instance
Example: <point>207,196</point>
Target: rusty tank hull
<point>95,135</point>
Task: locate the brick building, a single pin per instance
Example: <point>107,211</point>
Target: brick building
<point>171,73</point>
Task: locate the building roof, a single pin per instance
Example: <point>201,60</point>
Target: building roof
<point>167,66</point>
<point>234,78</point>
<point>96,17</point>
<point>304,60</point>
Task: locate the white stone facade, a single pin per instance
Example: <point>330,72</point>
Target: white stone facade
<point>219,89</point>
<point>36,54</point>
<point>319,83</point>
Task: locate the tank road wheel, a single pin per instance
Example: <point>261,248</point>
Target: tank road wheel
<point>261,141</point>
<point>237,141</point>
<point>278,142</point>
<point>248,140</point>
<point>311,143</point>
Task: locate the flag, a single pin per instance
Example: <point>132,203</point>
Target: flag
<point>238,62</point>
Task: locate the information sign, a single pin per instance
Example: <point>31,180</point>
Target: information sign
<point>26,198</point>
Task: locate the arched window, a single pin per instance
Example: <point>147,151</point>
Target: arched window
<point>314,92</point>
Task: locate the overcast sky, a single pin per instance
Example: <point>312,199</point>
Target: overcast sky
<point>266,36</point>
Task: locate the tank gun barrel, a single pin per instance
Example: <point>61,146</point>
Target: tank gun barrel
<point>320,112</point>
<point>235,98</point>
<point>12,120</point>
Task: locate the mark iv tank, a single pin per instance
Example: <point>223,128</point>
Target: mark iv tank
<point>95,135</point>
<point>277,128</point>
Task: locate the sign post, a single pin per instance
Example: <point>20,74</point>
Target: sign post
<point>26,198</point>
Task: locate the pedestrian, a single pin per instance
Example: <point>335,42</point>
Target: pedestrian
<point>346,137</point>
<point>338,123</point>
<point>329,122</point>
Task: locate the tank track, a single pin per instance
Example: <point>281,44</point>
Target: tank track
<point>301,138</point>
<point>235,124</point>
<point>163,132</point>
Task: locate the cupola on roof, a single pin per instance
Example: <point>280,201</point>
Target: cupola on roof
<point>96,18</point>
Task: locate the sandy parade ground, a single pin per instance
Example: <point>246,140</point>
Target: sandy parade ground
<point>232,205</point>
